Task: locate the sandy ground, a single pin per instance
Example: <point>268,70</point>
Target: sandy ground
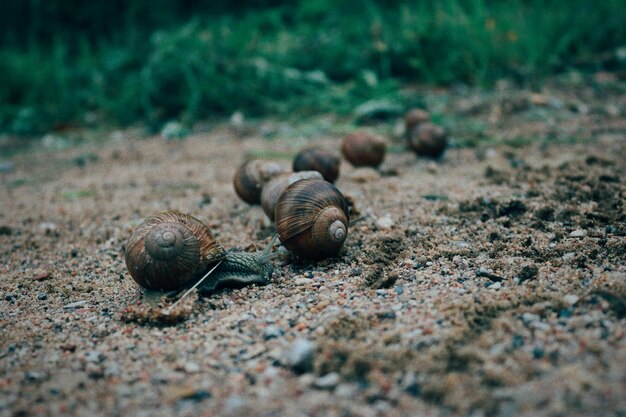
<point>490,283</point>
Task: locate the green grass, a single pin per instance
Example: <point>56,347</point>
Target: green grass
<point>307,58</point>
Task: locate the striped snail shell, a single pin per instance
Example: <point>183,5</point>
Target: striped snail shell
<point>252,176</point>
<point>168,250</point>
<point>312,219</point>
<point>275,187</point>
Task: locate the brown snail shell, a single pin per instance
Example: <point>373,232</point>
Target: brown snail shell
<point>313,159</point>
<point>413,118</point>
<point>428,139</point>
<point>312,219</point>
<point>168,250</point>
<point>275,187</point>
<point>251,176</point>
<point>363,149</point>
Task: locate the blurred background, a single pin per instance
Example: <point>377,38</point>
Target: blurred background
<point>151,61</point>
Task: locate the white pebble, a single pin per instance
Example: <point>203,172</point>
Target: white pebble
<point>570,299</point>
<point>385,222</point>
<point>578,233</point>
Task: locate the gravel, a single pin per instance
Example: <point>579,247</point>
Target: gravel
<point>398,324</point>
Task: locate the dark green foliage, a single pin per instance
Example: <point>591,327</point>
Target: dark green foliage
<point>160,60</point>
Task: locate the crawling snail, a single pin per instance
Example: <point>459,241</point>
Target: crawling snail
<point>312,219</point>
<point>361,148</point>
<point>173,250</point>
<point>251,176</point>
<point>275,187</point>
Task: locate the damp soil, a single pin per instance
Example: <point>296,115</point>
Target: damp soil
<point>491,282</point>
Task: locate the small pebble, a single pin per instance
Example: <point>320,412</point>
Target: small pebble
<point>75,304</point>
<point>5,230</point>
<point>328,381</point>
<point>272,332</point>
<point>570,299</point>
<point>42,296</point>
<point>299,355</point>
<point>578,233</point>
<point>496,286</point>
<point>385,222</point>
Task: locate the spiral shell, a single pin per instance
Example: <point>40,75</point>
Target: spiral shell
<point>312,219</point>
<point>252,176</point>
<point>363,149</point>
<point>275,187</point>
<point>428,140</point>
<point>168,250</point>
<point>414,118</point>
<point>313,159</point>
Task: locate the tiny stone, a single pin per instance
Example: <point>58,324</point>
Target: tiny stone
<point>530,317</point>
<point>302,281</point>
<point>272,332</point>
<point>538,352</point>
<point>496,286</point>
<point>191,367</point>
<point>300,355</point>
<point>568,256</point>
<point>328,381</point>
<point>42,296</point>
<point>356,272</point>
<point>385,222</point>
<point>399,289</point>
<point>9,297</point>
<point>5,230</point>
<point>571,299</point>
<point>578,233</point>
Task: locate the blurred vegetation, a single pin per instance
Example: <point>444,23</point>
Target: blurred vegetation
<point>65,63</point>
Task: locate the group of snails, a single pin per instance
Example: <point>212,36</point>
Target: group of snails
<point>172,250</point>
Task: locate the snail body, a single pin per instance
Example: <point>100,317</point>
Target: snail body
<point>275,187</point>
<point>172,250</point>
<point>361,148</point>
<point>251,176</point>
<point>313,159</point>
<point>428,139</point>
<point>312,219</point>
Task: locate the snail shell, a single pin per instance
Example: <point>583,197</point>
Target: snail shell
<point>275,187</point>
<point>324,162</point>
<point>251,176</point>
<point>312,219</point>
<point>413,118</point>
<point>168,250</point>
<point>429,140</point>
<point>363,149</point>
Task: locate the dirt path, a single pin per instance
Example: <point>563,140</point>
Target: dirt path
<point>496,285</point>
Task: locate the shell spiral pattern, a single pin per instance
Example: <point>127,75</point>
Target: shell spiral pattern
<point>312,219</point>
<point>168,250</point>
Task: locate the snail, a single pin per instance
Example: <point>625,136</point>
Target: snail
<point>172,250</point>
<point>363,149</point>
<point>428,139</point>
<point>312,219</point>
<point>414,118</point>
<point>251,176</point>
<point>313,159</point>
<point>274,188</point>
